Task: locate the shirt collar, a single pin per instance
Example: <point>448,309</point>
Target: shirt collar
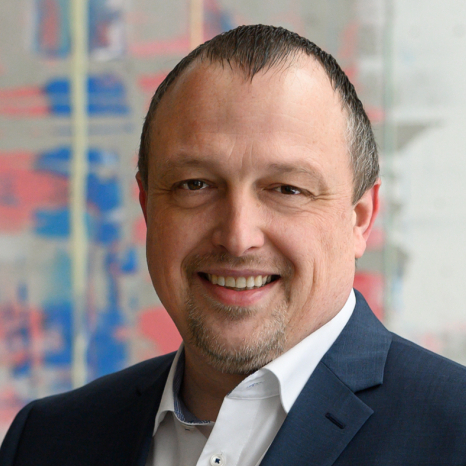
<point>284,376</point>
<point>293,368</point>
<point>171,400</point>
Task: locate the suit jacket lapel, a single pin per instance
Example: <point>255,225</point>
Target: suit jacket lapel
<point>327,413</point>
<point>150,396</point>
<point>131,426</point>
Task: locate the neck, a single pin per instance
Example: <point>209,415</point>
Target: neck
<point>204,388</point>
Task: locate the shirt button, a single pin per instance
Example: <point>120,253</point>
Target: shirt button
<point>218,460</point>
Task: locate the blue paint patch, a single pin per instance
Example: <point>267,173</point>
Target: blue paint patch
<point>102,158</point>
<point>19,342</point>
<point>55,223</point>
<point>57,160</point>
<point>59,283</point>
<point>22,369</point>
<point>106,96</point>
<point>129,260</point>
<point>107,353</point>
<point>58,94</point>
<point>58,329</point>
<point>105,194</point>
<point>107,232</point>
<point>52,223</point>
<point>57,312</point>
<point>112,270</point>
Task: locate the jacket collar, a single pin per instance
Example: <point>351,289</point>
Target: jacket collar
<point>358,355</point>
<point>149,389</point>
<point>327,414</point>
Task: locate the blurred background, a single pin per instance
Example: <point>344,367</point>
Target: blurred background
<point>76,78</point>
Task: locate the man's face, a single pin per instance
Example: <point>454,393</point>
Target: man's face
<point>251,231</point>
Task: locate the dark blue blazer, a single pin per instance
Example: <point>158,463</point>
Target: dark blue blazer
<point>375,399</point>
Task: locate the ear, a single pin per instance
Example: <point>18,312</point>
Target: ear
<point>142,196</point>
<point>364,214</point>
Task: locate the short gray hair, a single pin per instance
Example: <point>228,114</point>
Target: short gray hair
<point>258,47</point>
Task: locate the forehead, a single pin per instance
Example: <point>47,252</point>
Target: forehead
<point>210,105</point>
<point>302,83</point>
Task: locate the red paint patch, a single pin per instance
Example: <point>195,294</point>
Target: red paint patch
<point>376,239</point>
<point>150,82</point>
<point>375,114</point>
<point>157,326</point>
<point>10,404</point>
<point>23,101</point>
<point>140,231</point>
<point>23,190</point>
<point>371,285</point>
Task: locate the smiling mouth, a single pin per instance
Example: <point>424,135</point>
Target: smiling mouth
<point>240,283</point>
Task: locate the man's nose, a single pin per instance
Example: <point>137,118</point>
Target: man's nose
<point>240,225</point>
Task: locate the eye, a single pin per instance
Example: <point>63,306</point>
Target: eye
<point>193,185</point>
<point>287,189</point>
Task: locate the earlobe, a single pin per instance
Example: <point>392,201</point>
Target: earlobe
<point>142,196</point>
<point>365,213</point>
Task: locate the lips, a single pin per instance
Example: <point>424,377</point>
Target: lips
<point>240,283</point>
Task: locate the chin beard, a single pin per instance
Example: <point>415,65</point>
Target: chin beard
<point>258,349</point>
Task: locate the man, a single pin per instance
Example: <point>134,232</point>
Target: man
<point>258,178</point>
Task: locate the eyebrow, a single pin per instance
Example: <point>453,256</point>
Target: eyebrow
<point>180,162</point>
<point>316,175</point>
<point>185,161</point>
<point>275,168</point>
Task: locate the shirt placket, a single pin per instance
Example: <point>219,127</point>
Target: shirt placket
<point>230,434</point>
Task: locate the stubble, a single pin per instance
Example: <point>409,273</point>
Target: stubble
<point>265,343</point>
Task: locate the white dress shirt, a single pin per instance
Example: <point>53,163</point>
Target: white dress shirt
<point>250,415</point>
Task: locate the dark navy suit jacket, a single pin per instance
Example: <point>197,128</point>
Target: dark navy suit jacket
<point>375,399</point>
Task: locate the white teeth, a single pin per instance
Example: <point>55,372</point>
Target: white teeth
<point>249,282</point>
<point>240,282</point>
<point>231,282</point>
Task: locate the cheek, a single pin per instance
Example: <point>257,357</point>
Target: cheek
<point>317,246</point>
<point>164,243</point>
<point>172,235</point>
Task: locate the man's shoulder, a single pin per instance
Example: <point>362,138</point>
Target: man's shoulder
<point>418,360</point>
<point>366,343</point>
<point>418,385</point>
<point>424,370</point>
<point>112,388</point>
<point>87,422</point>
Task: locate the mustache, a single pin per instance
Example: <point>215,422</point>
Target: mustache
<point>197,262</point>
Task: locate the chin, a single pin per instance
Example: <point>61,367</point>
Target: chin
<point>241,359</point>
<point>243,349</point>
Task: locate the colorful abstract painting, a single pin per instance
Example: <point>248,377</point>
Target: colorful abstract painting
<point>132,46</point>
